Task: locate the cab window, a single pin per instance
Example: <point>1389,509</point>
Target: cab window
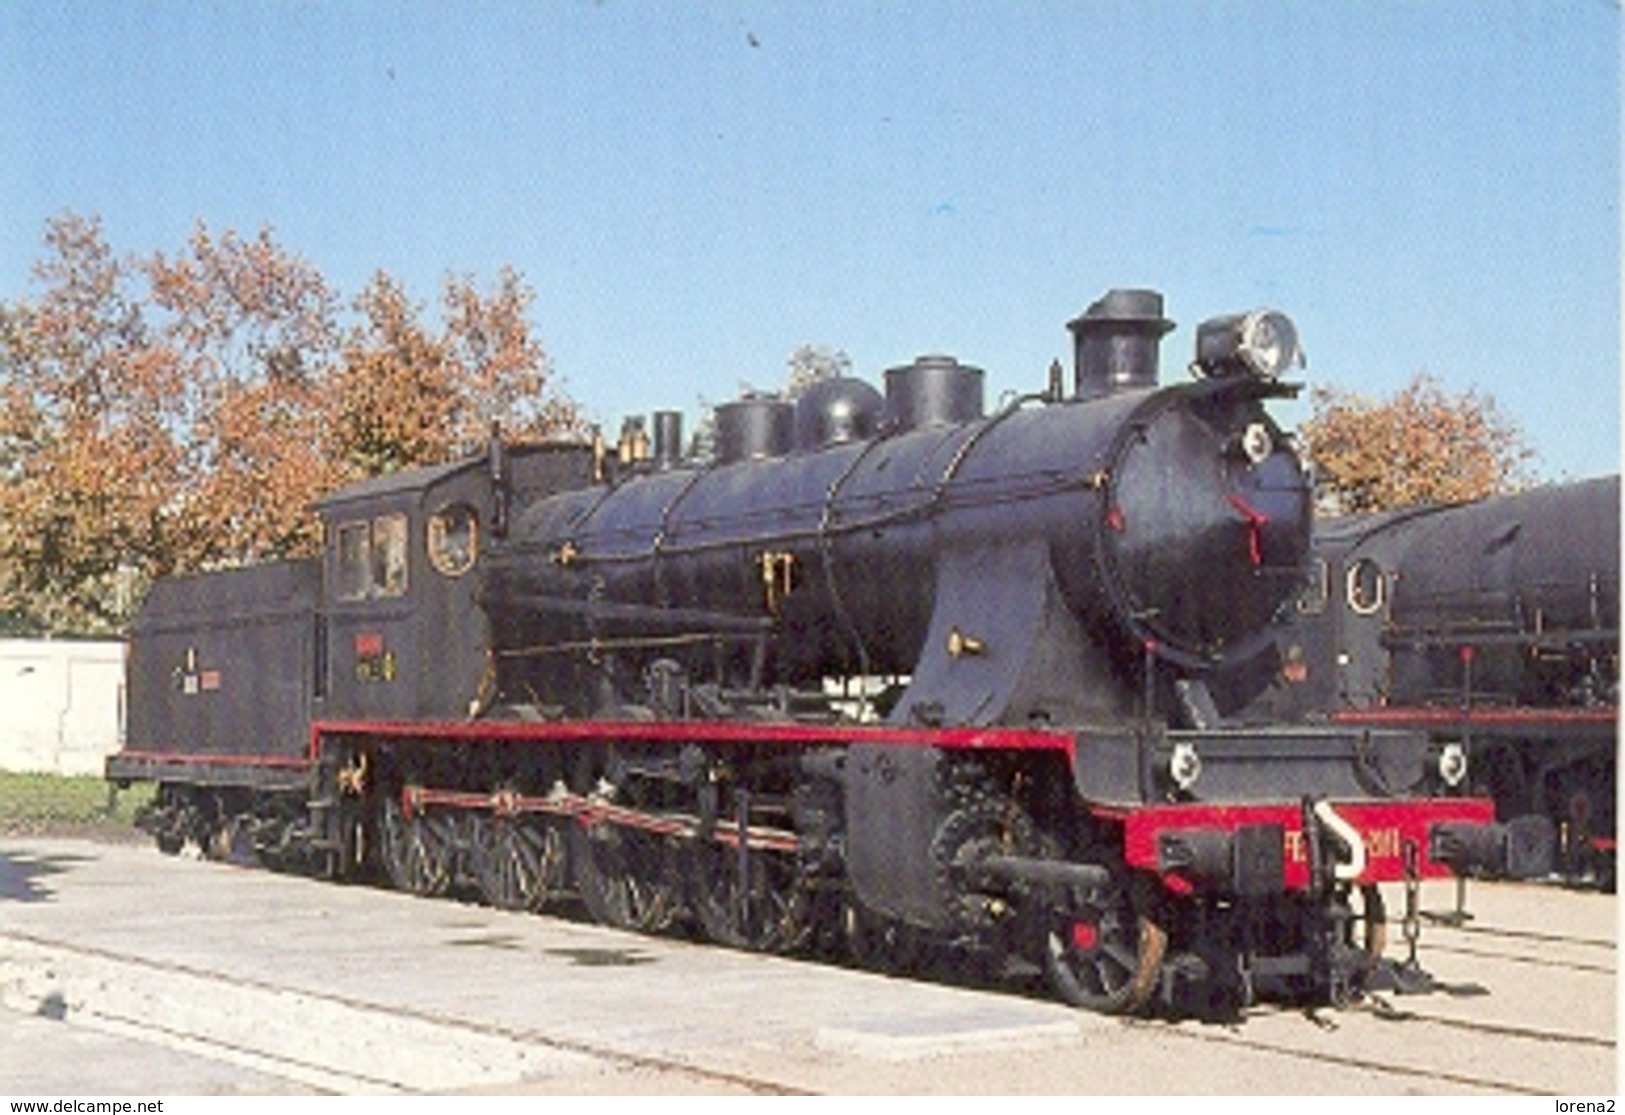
<point>389,555</point>
<point>453,539</point>
<point>371,558</point>
<point>354,561</point>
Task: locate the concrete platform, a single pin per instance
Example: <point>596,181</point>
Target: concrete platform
<point>432,995</point>
<point>42,1057</point>
<point>129,973</point>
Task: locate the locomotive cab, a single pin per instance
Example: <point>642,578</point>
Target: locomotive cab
<point>401,634</point>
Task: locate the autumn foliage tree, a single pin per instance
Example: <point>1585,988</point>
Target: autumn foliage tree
<point>253,330</point>
<point>405,394</point>
<point>392,398</point>
<point>89,400</point>
<point>1423,445</point>
<point>171,413</point>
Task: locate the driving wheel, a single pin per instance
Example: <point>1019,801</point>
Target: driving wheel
<point>1102,953</point>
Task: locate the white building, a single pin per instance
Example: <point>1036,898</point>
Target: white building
<point>61,705</point>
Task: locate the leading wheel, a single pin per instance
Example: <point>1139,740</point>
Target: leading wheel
<point>1103,954</point>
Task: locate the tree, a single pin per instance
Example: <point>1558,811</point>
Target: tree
<point>392,399</point>
<point>810,363</point>
<point>91,399</point>
<point>1421,446</point>
<point>501,371</point>
<point>168,414</point>
<point>253,330</point>
<point>406,395</point>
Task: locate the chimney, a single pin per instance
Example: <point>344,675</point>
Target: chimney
<point>1115,343</point>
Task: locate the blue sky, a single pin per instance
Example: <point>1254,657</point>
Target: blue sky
<point>694,189</point>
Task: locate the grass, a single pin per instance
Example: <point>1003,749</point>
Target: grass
<point>31,802</point>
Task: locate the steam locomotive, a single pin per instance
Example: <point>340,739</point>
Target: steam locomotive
<point>1491,625</point>
<point>883,673</point>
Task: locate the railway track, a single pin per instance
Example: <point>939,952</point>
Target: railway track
<point>1603,966</point>
<point>1513,1047</point>
<point>1496,1029</point>
<point>1538,937</point>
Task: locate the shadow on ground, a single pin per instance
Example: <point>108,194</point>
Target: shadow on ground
<point>23,877</point>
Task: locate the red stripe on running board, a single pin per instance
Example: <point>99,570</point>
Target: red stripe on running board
<point>692,731</point>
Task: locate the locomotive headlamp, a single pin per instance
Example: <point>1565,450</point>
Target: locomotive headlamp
<point>1453,764</point>
<point>1184,765</point>
<point>1263,344</point>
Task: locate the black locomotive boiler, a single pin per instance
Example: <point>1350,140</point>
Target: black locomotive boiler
<point>1491,625</point>
<point>881,673</point>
